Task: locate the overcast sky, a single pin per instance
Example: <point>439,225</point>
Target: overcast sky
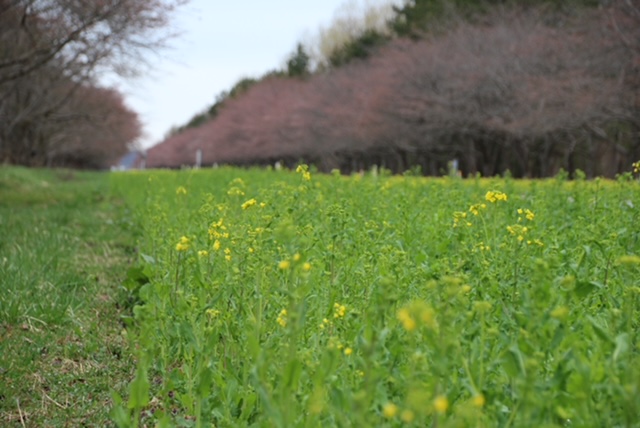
<point>220,42</point>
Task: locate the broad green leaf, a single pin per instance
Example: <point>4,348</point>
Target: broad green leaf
<point>622,346</point>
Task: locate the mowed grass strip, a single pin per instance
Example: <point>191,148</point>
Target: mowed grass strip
<point>65,246</point>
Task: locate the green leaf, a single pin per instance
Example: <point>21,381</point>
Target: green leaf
<point>139,390</point>
<point>557,336</point>
<point>292,374</point>
<point>147,258</point>
<point>584,288</point>
<point>135,278</point>
<point>600,331</point>
<point>204,382</point>
<point>513,362</point>
<point>118,413</point>
<point>622,346</point>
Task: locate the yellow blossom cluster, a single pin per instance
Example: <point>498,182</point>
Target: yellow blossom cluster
<point>334,343</point>
<point>460,217</point>
<point>284,265</point>
<point>339,310</point>
<point>528,214</point>
<point>518,231</point>
<point>183,244</point>
<point>389,410</point>
<point>478,400</point>
<point>304,170</point>
<point>475,208</point>
<point>325,322</point>
<point>218,230</point>
<point>248,204</point>
<point>282,318</point>
<point>440,405</point>
<point>481,247</point>
<point>212,313</point>
<point>494,196</point>
<point>417,311</point>
<point>636,167</point>
<point>234,191</point>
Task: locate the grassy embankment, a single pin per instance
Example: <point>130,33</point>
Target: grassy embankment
<point>65,246</point>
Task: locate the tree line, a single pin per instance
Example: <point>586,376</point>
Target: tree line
<point>529,87</point>
<point>52,110</point>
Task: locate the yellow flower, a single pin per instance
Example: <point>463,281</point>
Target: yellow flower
<point>282,318</point>
<point>249,203</point>
<point>234,191</point>
<point>629,260</point>
<point>475,208</point>
<point>306,176</point>
<point>216,245</point>
<point>389,410</point>
<point>478,400</point>
<point>325,322</point>
<point>494,196</point>
<point>482,306</point>
<point>203,253</point>
<point>560,313</point>
<point>406,319</point>
<point>284,265</point>
<point>407,416</point>
<point>441,404</point>
<point>339,310</point>
<point>212,313</point>
<point>296,257</point>
<point>348,351</point>
<point>183,244</point>
<point>181,191</point>
<point>306,267</point>
<point>458,216</point>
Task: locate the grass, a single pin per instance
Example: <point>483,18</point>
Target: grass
<point>65,248</point>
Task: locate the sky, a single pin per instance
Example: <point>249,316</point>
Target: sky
<point>219,43</point>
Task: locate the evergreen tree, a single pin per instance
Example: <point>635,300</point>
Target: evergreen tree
<point>298,63</point>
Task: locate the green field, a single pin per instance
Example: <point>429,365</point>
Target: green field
<point>289,298</point>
